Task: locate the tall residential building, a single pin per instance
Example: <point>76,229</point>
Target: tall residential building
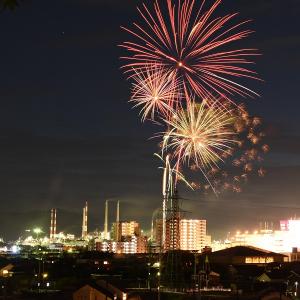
<point>129,228</point>
<point>121,230</point>
<point>193,235</point>
<point>172,241</point>
<point>157,231</point>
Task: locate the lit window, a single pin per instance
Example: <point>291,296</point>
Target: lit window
<point>248,260</point>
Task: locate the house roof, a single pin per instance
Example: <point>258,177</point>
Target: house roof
<point>3,262</point>
<point>264,278</point>
<point>98,288</point>
<point>121,285</point>
<point>6,266</point>
<point>244,251</point>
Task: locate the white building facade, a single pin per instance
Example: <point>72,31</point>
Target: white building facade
<point>193,235</point>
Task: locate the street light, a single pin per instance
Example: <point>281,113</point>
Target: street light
<point>296,288</point>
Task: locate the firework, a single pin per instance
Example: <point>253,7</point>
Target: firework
<point>155,92</point>
<point>243,160</point>
<point>180,49</point>
<point>199,135</point>
<point>187,42</point>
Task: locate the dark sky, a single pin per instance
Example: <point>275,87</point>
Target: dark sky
<point>67,133</point>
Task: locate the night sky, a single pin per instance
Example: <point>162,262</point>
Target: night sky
<point>67,133</point>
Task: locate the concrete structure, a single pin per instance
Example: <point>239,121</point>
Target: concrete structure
<point>295,255</point>
<point>172,224</point>
<point>158,231</point>
<point>115,288</point>
<point>85,221</point>
<point>118,233</point>
<point>53,224</point>
<point>130,245</point>
<point>241,255</point>
<point>172,241</point>
<point>106,220</point>
<point>5,270</point>
<point>189,234</point>
<point>93,292</point>
<point>116,228</point>
<point>193,235</point>
<point>130,228</point>
<point>282,241</point>
<point>122,230</point>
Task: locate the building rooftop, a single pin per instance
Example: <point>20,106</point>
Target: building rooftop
<point>98,288</point>
<point>244,251</point>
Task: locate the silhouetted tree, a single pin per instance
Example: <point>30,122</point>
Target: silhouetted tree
<point>9,4</point>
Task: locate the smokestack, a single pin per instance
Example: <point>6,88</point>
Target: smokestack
<point>118,212</point>
<point>106,220</point>
<point>53,224</point>
<point>118,222</point>
<point>85,221</point>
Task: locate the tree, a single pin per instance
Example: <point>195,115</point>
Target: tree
<point>9,4</point>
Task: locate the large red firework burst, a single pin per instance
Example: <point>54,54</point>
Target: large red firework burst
<point>189,43</point>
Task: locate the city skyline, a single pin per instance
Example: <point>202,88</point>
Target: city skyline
<point>64,98</point>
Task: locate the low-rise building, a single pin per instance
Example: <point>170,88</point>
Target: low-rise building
<point>129,245</point>
<point>94,292</point>
<point>242,255</point>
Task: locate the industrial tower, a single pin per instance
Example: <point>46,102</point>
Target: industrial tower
<point>117,224</point>
<point>53,224</point>
<point>85,221</point>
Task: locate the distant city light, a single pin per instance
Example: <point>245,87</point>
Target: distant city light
<point>283,240</point>
<point>15,249</point>
<point>37,230</point>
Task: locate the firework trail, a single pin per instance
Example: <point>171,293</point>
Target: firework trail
<point>187,42</point>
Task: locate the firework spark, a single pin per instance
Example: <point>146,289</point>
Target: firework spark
<point>188,42</point>
<point>155,92</point>
<point>199,135</point>
<point>241,161</point>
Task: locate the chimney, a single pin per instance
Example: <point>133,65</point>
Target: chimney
<point>106,220</point>
<point>118,231</point>
<point>53,224</point>
<point>85,221</point>
<point>118,212</point>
